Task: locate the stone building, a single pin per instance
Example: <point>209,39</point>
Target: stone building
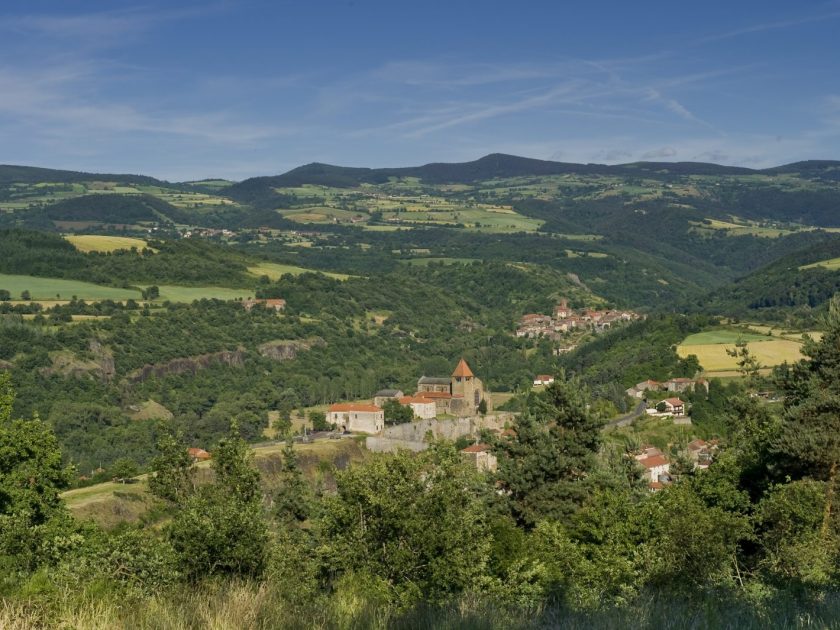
<point>356,417</point>
<point>459,395</point>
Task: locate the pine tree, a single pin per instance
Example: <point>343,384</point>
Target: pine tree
<point>293,501</point>
<point>809,444</point>
<point>545,467</point>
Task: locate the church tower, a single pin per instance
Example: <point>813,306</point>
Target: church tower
<point>467,387</point>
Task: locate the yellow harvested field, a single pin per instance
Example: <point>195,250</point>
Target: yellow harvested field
<point>713,357</point>
<point>832,264</point>
<point>99,243</point>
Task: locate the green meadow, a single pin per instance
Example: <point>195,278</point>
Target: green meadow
<point>52,288</point>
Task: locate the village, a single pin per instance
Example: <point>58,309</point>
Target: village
<point>567,326</point>
<point>459,407</point>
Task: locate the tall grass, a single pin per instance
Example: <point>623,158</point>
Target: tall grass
<point>262,606</point>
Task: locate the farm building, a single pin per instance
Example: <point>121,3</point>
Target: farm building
<point>278,305</point>
<point>480,456</point>
<point>544,379</point>
<point>356,417</point>
<point>424,408</point>
<point>384,395</point>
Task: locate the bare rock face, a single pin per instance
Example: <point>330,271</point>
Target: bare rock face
<point>188,365</point>
<point>105,359</point>
<point>287,350</point>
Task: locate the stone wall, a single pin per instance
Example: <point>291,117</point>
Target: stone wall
<point>412,436</point>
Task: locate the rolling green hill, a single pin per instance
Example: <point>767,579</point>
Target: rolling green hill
<point>116,208</point>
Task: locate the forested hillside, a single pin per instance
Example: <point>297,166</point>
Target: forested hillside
<point>565,532</point>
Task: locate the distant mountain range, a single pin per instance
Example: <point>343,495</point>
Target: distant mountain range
<point>500,165</point>
<point>495,165</point>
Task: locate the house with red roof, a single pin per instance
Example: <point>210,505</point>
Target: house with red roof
<point>673,406</point>
<point>198,454</point>
<point>656,468</point>
<point>279,305</point>
<point>481,456</point>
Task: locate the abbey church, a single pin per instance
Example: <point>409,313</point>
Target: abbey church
<point>459,395</point>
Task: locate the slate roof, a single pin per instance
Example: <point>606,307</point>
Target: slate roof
<point>434,380</point>
<point>388,393</point>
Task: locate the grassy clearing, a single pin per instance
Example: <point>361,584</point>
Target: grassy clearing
<point>832,264</point>
<point>98,243</point>
<point>174,293</point>
<point>713,356</point>
<point>275,270</point>
<point>424,262</point>
<point>50,288</point>
<point>723,335</point>
<point>111,503</point>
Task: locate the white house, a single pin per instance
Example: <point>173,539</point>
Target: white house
<point>674,406</point>
<point>656,466</point>
<point>356,417</point>
<point>544,379</point>
<point>424,408</point>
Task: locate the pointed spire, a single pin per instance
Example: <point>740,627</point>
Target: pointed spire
<point>463,370</point>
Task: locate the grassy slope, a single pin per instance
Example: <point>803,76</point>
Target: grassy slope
<point>111,503</point>
<point>48,288</point>
<point>98,243</point>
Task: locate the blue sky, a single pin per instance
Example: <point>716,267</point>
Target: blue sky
<point>184,90</point>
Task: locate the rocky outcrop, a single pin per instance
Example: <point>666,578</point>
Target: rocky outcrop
<point>188,365</point>
<point>287,350</point>
<point>104,358</point>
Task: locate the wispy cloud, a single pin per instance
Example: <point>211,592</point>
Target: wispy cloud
<point>102,26</point>
<point>769,26</point>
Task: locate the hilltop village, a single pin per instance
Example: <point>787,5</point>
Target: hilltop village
<point>459,406</point>
<point>565,320</point>
<point>459,395</point>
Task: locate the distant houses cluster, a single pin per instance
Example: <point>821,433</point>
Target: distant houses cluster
<point>277,304</point>
<point>657,466</point>
<point>461,394</point>
<point>675,385</point>
<point>565,319</point>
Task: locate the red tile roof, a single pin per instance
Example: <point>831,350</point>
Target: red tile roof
<point>435,394</point>
<point>676,402</point>
<point>653,461</point>
<point>476,448</point>
<point>198,453</point>
<point>462,369</point>
<point>407,400</point>
<point>353,407</point>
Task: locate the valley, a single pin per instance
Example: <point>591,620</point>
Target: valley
<point>325,329</point>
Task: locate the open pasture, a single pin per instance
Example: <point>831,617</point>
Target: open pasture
<point>174,293</point>
<point>275,270</point>
<point>99,243</point>
<point>723,335</point>
<point>832,264</point>
<point>51,288</point>
<point>770,352</point>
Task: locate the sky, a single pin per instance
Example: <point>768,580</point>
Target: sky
<point>233,89</point>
